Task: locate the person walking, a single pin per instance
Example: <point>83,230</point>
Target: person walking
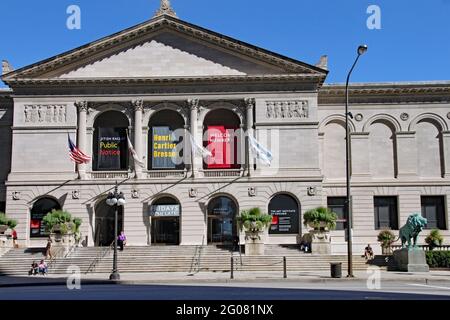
<point>48,249</point>
<point>122,240</point>
<point>14,237</point>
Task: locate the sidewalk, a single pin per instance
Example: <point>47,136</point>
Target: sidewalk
<point>433,277</point>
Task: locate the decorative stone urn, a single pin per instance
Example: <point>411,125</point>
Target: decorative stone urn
<point>254,243</point>
<point>3,228</point>
<point>61,243</point>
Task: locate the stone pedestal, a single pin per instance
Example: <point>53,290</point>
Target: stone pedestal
<point>321,242</point>
<point>61,244</point>
<point>411,260</point>
<point>254,244</point>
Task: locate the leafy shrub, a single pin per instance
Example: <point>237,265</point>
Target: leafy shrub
<point>386,237</point>
<point>438,259</point>
<point>7,222</point>
<point>62,222</point>
<point>434,238</point>
<point>318,216</point>
<point>254,220</point>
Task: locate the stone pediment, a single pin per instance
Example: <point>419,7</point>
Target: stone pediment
<point>164,47</point>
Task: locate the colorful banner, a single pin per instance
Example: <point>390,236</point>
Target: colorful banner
<point>220,142</point>
<point>112,149</point>
<point>163,148</point>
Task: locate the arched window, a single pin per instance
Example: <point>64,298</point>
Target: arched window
<point>334,150</point>
<point>429,149</point>
<point>110,142</point>
<point>165,135</point>
<point>222,135</point>
<point>285,214</point>
<point>222,227</point>
<point>165,213</point>
<point>38,211</point>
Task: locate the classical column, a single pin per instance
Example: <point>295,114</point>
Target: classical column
<point>193,106</point>
<point>446,153</point>
<point>249,104</point>
<point>82,107</point>
<point>138,109</point>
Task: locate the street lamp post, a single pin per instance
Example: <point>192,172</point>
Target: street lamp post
<point>117,200</point>
<point>361,50</point>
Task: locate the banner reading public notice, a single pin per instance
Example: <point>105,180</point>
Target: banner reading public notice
<point>112,149</point>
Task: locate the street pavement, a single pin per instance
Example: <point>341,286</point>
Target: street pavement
<point>375,285</point>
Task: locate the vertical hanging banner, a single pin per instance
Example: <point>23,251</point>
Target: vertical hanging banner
<point>222,145</point>
<point>112,148</point>
<point>163,148</point>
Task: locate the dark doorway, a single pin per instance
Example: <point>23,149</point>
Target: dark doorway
<point>104,223</point>
<point>222,228</point>
<point>38,212</point>
<point>165,213</point>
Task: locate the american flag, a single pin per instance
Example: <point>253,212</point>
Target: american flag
<point>76,155</point>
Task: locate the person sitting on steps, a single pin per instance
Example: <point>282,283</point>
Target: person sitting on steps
<point>368,252</point>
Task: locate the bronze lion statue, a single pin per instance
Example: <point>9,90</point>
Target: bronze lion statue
<point>414,225</point>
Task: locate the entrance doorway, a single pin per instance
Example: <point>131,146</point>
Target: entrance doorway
<point>104,223</point>
<point>222,228</point>
<point>165,213</point>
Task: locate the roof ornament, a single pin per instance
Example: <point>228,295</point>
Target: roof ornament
<point>165,9</point>
<point>323,63</point>
<point>6,67</point>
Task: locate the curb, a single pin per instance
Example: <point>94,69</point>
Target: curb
<point>59,281</point>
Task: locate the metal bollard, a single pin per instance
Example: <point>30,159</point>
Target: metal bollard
<point>232,269</point>
<point>284,268</point>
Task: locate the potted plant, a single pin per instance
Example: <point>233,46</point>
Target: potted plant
<point>254,223</point>
<point>6,223</point>
<point>322,220</point>
<point>434,239</point>
<point>386,237</point>
<point>61,226</point>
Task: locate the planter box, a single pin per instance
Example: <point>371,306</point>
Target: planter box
<point>254,244</point>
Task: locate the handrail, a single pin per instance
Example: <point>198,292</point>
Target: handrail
<point>99,257</point>
<point>425,247</point>
<point>196,261</point>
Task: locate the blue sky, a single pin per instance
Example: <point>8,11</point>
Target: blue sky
<point>413,43</point>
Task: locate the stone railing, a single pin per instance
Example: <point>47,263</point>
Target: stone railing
<point>223,173</point>
<point>160,174</point>
<point>425,247</point>
<point>110,175</point>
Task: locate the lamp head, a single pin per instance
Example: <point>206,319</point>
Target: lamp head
<point>121,199</point>
<point>111,200</point>
<point>362,49</point>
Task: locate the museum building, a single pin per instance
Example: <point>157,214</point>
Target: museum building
<point>165,85</point>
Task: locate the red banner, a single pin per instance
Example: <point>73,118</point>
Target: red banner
<point>220,142</point>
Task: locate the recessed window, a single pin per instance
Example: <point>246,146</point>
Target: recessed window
<point>386,213</point>
<point>337,205</point>
<point>433,209</point>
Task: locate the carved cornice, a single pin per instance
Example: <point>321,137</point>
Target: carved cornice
<point>45,113</point>
<point>387,93</point>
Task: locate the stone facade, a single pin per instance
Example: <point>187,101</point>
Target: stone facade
<point>400,139</point>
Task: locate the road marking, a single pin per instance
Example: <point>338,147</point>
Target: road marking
<point>426,285</point>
